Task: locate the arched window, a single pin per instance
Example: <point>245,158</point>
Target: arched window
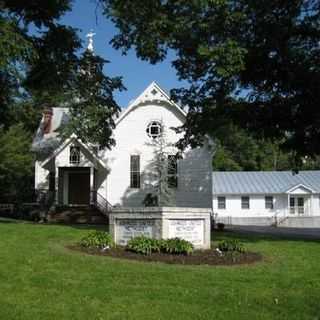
<point>74,157</point>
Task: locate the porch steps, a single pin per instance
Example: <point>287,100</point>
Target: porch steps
<point>77,215</point>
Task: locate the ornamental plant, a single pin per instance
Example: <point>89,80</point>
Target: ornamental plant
<point>231,245</point>
<point>97,239</point>
<point>143,245</point>
<point>147,246</point>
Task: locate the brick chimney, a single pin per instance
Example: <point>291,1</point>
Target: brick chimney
<point>47,119</point>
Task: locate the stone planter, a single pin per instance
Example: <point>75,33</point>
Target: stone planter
<point>192,224</point>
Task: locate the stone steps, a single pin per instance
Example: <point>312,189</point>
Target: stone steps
<point>77,215</point>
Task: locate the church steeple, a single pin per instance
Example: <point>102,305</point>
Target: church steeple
<point>90,36</point>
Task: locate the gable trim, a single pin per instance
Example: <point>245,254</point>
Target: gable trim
<point>299,185</point>
<point>139,100</point>
<point>67,142</point>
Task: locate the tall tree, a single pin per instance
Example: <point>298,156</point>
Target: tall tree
<point>91,103</point>
<point>163,173</point>
<point>37,65</point>
<point>237,150</point>
<point>256,62</point>
<point>16,164</point>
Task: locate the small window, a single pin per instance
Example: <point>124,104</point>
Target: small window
<point>172,171</point>
<point>74,155</point>
<point>221,202</point>
<point>135,171</point>
<point>269,202</point>
<point>245,203</point>
<point>154,129</point>
<point>292,202</point>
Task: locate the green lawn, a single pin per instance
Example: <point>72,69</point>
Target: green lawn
<point>41,279</point>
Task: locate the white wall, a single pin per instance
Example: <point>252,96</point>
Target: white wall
<point>257,205</point>
<point>41,177</point>
<point>194,170</point>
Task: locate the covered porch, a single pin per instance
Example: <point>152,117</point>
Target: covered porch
<point>76,173</point>
<point>76,186</point>
<point>299,201</point>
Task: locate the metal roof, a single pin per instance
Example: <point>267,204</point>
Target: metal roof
<point>255,182</point>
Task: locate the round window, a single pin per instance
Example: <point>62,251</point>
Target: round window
<point>154,129</point>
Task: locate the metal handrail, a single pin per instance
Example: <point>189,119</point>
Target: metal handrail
<point>100,202</point>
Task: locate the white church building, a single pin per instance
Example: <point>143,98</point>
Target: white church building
<point>83,174</point>
<point>79,174</point>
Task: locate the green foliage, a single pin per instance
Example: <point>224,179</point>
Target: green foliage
<point>38,66</point>
<point>147,246</point>
<point>16,164</point>
<point>176,246</point>
<point>97,239</point>
<point>255,62</point>
<point>150,200</point>
<point>237,149</point>
<point>92,106</point>
<point>163,193</point>
<point>35,262</point>
<point>231,245</point>
<point>143,245</point>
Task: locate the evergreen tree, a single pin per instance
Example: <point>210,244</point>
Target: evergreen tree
<point>16,164</point>
<point>92,107</point>
<point>163,183</point>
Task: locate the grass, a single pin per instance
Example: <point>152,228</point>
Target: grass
<point>41,279</point>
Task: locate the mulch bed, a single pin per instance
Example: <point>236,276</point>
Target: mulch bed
<point>199,257</point>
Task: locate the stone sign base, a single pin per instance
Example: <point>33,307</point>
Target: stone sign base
<point>191,224</point>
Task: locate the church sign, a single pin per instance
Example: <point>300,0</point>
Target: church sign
<point>190,230</point>
<point>131,228</point>
<point>191,224</point>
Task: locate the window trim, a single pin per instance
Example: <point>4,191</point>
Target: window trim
<point>153,125</point>
<point>271,201</point>
<point>74,158</point>
<point>135,175</point>
<point>224,202</point>
<point>243,207</point>
<point>174,175</point>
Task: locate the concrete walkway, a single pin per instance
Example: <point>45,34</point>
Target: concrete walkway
<point>294,233</point>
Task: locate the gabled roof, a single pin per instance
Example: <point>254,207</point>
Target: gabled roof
<point>67,142</point>
<point>153,93</point>
<point>264,182</point>
<point>300,186</point>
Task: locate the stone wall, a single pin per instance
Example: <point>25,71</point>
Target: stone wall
<point>192,224</point>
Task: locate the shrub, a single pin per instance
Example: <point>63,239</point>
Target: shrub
<point>176,246</point>
<point>143,245</point>
<point>97,239</point>
<point>148,246</point>
<point>220,226</point>
<point>231,245</point>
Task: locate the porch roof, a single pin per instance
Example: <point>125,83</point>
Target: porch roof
<point>264,182</point>
<point>67,142</point>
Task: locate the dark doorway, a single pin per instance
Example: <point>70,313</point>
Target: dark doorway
<point>79,186</point>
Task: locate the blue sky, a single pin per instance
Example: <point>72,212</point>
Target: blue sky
<point>137,74</point>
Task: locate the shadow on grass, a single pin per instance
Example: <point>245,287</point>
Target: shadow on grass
<point>100,227</point>
<point>13,220</point>
<point>253,237</point>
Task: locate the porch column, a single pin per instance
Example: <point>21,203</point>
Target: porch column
<point>92,189</point>
<point>56,181</point>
